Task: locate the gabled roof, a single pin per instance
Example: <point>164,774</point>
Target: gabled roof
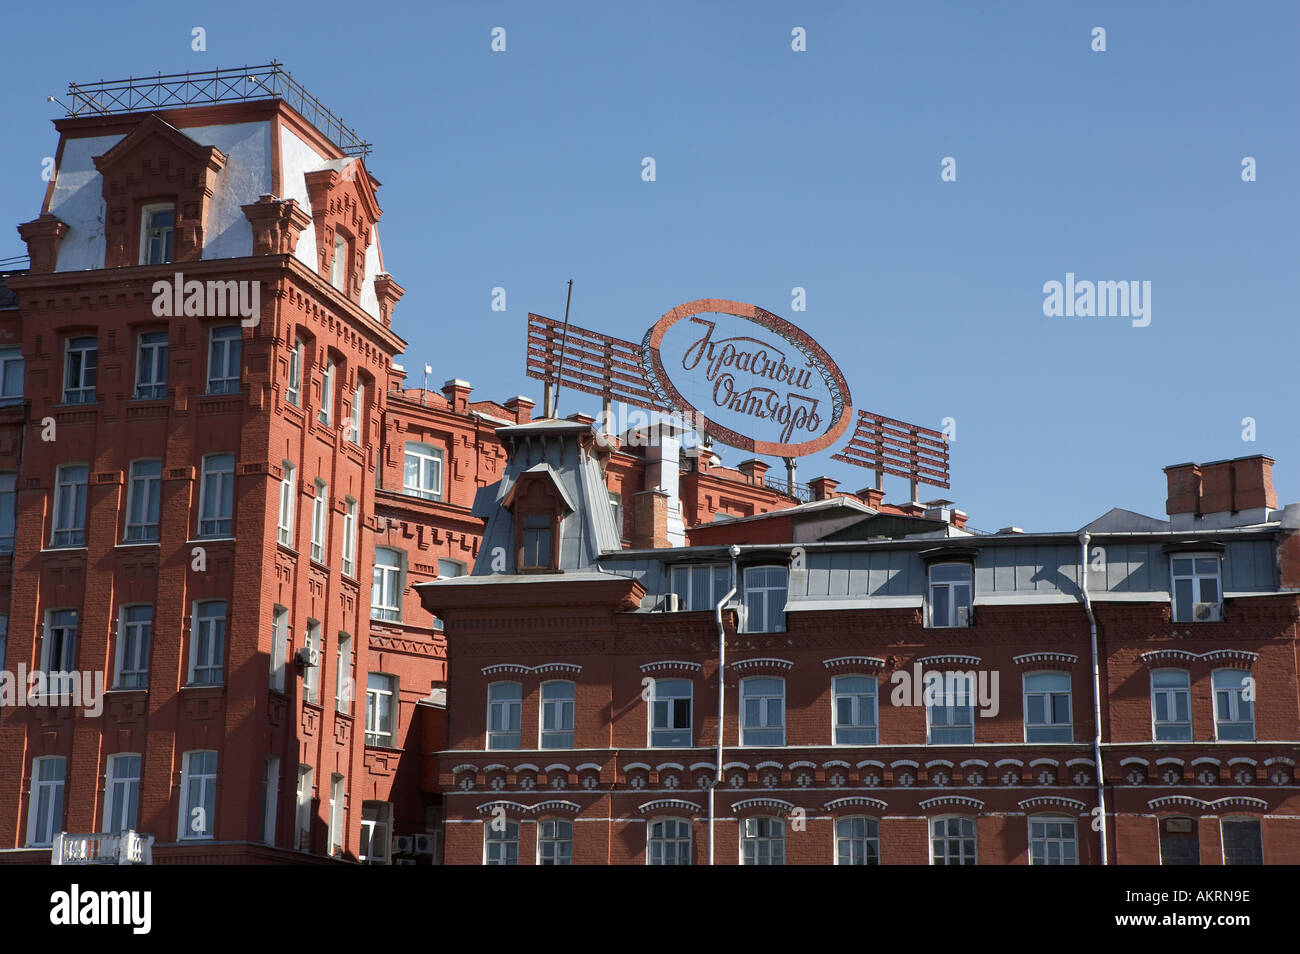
<point>1119,520</point>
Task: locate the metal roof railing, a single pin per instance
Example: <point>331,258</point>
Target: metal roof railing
<point>242,84</point>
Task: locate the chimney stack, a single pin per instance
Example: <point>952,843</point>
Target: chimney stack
<point>456,392</point>
<point>823,488</point>
<point>1222,493</point>
<point>521,408</point>
<point>754,470</point>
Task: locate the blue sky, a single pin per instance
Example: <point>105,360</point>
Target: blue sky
<point>817,169</point>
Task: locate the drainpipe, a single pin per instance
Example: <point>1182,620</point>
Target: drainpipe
<point>722,670</point>
<point>1096,687</point>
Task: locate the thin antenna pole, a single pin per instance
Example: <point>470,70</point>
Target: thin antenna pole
<point>564,343</point>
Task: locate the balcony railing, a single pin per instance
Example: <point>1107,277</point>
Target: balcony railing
<point>128,848</point>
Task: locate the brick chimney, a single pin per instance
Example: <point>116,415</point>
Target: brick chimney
<point>521,408</point>
<point>823,488</point>
<point>1222,493</point>
<point>754,470</point>
<point>1184,489</point>
<point>1253,480</point>
<point>872,497</point>
<point>650,520</point>
<point>456,392</point>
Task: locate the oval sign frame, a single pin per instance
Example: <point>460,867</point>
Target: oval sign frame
<point>662,386</point>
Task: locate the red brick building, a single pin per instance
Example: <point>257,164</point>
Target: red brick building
<point>584,691</point>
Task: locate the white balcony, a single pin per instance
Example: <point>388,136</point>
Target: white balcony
<point>128,848</point>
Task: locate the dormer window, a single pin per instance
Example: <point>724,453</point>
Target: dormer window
<point>157,226</point>
<point>537,550</point>
<point>1196,590</point>
<point>338,273</point>
<point>950,594</point>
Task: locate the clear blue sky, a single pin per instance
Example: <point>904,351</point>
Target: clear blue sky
<point>818,169</point>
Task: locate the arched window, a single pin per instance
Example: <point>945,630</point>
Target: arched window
<point>500,842</point>
<point>557,715</point>
<point>1047,707</point>
<point>1053,840</point>
<point>854,710</point>
<point>1234,714</point>
<point>668,841</point>
<point>857,841</point>
<point>505,709</point>
<point>554,842</point>
<point>1171,705</point>
<point>762,841</point>
<point>386,592</point>
<point>952,840</point>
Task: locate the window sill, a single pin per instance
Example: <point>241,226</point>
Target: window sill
<point>210,540</point>
<point>81,547</point>
<point>140,543</point>
<point>203,685</point>
<point>116,689</point>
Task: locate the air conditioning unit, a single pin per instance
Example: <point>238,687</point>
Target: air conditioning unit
<point>425,843</point>
<point>963,615</point>
<point>1205,612</point>
<point>308,656</point>
<point>403,845</point>
<point>672,603</point>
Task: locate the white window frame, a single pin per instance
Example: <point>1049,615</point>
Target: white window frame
<point>320,510</point>
<point>1171,693</point>
<point>82,391</point>
<point>279,647</point>
<point>553,847</point>
<point>302,816</point>
<point>388,581</point>
<point>12,364</point>
<point>757,622</point>
<point>46,798</point>
<point>961,836</point>
<point>288,493</point>
<point>559,710</point>
<point>225,353</point>
<point>381,732</point>
<point>699,586</point>
<point>207,795</point>
<point>64,657</point>
<point>68,529</point>
<point>215,482</point>
<point>354,417</point>
<point>755,843</point>
<point>338,263</point>
<point>661,844</point>
<point>502,840</point>
<point>1053,731</point>
<point>510,710</point>
<point>749,691</point>
<point>150,487</point>
<point>338,789</point>
<point>293,387</point>
<point>343,684</point>
<point>214,659</point>
<point>668,691</point>
<point>377,828</point>
<point>952,709</point>
<point>422,454</point>
<point>311,674</point>
<point>857,849</point>
<point>350,537</point>
<point>155,386</point>
<point>134,644</point>
<point>952,618</point>
<point>270,797</point>
<point>326,413</point>
<point>166,234</point>
<point>856,706</point>
<point>1048,840</point>
<point>1198,579</point>
<point>1229,705</point>
<point>122,792</point>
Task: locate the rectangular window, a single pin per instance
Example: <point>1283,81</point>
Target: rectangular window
<point>134,634</point>
<point>217,495</point>
<point>952,841</point>
<point>538,553</point>
<point>557,715</point>
<point>765,594</point>
<point>381,712</point>
<point>59,648</point>
<point>151,366</point>
<point>854,699</point>
<point>554,842</point>
<point>320,521</point>
<point>700,587</point>
<point>1052,841</point>
<point>670,713</point>
<point>293,391</point>
<point>1047,708</point>
<point>422,476</point>
<point>8,511</point>
<point>668,842</point>
<point>343,675</point>
<point>311,674</point>
<point>1234,714</point>
<point>616,506</point>
<point>142,498</point>
<point>70,506</point>
<point>950,708</point>
<point>354,421</point>
<point>376,818</point>
<point>157,226</point>
<point>447,569</point>
<point>1171,705</point>
<point>198,795</point>
<point>121,793</point>
<point>79,369</point>
<point>505,709</point>
<point>302,818</point>
<point>11,375</point>
<point>326,413</point>
<point>338,264</point>
<point>1196,589</point>
<point>284,526</point>
<point>223,360</point>
<point>501,844</point>
<point>762,841</point>
<point>336,814</point>
<point>1242,843</point>
<point>950,594</point>
<point>762,701</point>
<point>45,805</point>
<point>208,643</point>
<point>270,797</point>
<point>279,647</point>
<point>857,841</point>
<point>386,591</point>
<point>350,537</point>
